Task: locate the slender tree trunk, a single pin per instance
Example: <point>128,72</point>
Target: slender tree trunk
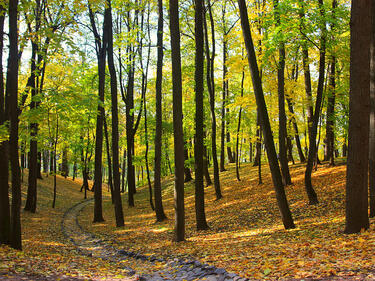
<point>372,118</point>
<point>211,89</point>
<point>159,210</point>
<point>188,176</point>
<point>296,132</point>
<point>258,146</point>
<point>54,161</point>
<point>313,198</point>
<point>123,172</point>
<point>12,94</point>
<point>109,159</point>
<point>199,117</point>
<point>283,157</point>
<point>115,134</point>
<point>205,166</point>
<point>101,46</point>
<point>359,105</point>
<point>225,86</point>
<point>177,122</point>
<point>239,127</point>
<point>4,148</point>
<point>262,109</point>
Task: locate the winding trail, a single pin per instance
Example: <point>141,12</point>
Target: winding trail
<point>173,269</point>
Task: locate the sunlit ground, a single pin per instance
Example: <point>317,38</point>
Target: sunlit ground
<point>246,235</point>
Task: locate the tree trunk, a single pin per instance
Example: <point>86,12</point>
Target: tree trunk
<point>159,210</point>
<point>101,46</point>
<point>12,94</point>
<point>313,149</point>
<point>281,95</point>
<point>109,159</point>
<point>115,134</point>
<point>4,149</point>
<point>199,117</point>
<point>211,89</point>
<point>372,118</point>
<point>205,166</point>
<point>359,105</point>
<point>225,86</point>
<point>239,127</point>
<point>262,109</point>
<point>179,233</point>
<point>123,171</point>
<point>188,176</point>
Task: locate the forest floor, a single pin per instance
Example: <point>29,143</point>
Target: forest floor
<point>246,235</point>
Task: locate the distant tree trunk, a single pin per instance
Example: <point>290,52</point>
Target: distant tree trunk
<point>205,166</point>
<point>74,170</point>
<point>188,176</point>
<point>56,138</point>
<point>64,165</point>
<point>296,132</point>
<point>4,148</point>
<point>313,149</point>
<point>225,87</point>
<point>39,172</point>
<point>45,161</point>
<point>101,47</point>
<point>258,146</point>
<point>239,127</point>
<point>344,149</point>
<point>211,89</point>
<point>290,150</point>
<point>199,117</point>
<point>283,157</point>
<point>31,197</point>
<point>109,160</point>
<point>123,171</point>
<point>115,134</point>
<point>262,109</point>
<point>260,158</point>
<point>159,210</point>
<point>359,104</point>
<point>179,233</point>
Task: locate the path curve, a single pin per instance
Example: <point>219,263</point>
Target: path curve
<point>89,244</point>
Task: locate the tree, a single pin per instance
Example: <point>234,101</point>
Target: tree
<point>159,210</point>
<point>199,116</point>
<point>372,119</point>
<point>4,160</point>
<point>115,134</point>
<point>177,122</point>
<point>12,94</point>
<point>280,90</point>
<point>359,105</point>
<point>211,89</point>
<point>262,109</point>
<point>100,47</point>
<point>313,123</point>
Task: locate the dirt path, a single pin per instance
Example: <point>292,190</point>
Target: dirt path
<point>174,269</point>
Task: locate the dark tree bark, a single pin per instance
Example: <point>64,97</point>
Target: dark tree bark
<point>290,149</point>
<point>239,127</point>
<point>306,68</point>
<point>12,94</point>
<point>159,210</point>
<point>4,148</point>
<point>115,134</point>
<point>64,164</point>
<point>294,121</point>
<point>313,149</point>
<point>199,117</point>
<point>56,138</point>
<point>109,158</point>
<point>101,47</point>
<point>210,75</point>
<point>283,157</point>
<point>262,109</point>
<point>205,165</point>
<point>372,118</point>
<point>123,169</point>
<point>359,105</point>
<point>179,233</point>
<point>188,176</point>
<point>258,145</point>
<point>224,96</point>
